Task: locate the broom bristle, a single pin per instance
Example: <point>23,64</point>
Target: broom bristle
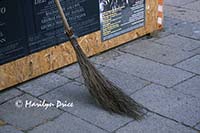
<point>109,96</point>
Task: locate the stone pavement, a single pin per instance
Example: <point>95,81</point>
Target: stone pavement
<point>162,72</point>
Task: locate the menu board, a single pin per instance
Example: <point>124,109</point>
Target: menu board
<point>12,31</point>
<point>83,16</point>
<point>28,26</point>
<point>40,24</point>
<point>120,16</point>
<point>45,28</point>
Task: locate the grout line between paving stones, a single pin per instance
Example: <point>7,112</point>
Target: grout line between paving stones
<point>123,126</point>
<point>174,5</point>
<point>139,77</point>
<point>148,110</point>
<point>164,63</point>
<point>194,50</point>
<point>129,122</point>
<point>67,77</point>
<point>54,89</point>
<point>181,5</point>
<point>141,88</point>
<point>48,120</point>
<point>188,36</point>
<point>74,79</point>
<point>186,70</point>
<point>174,65</point>
<point>155,60</point>
<point>88,122</point>
<point>13,97</point>
<point>173,87</point>
<point>170,119</point>
<point>155,41</point>
<point>8,124</point>
<point>151,81</point>
<point>197,124</point>
<point>183,81</point>
<point>190,9</point>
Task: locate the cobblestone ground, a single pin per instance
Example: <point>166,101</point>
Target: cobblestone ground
<point>162,72</point>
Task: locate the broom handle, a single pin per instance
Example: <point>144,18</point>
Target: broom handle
<point>68,29</point>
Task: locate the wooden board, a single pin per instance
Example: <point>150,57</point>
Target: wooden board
<point>62,55</point>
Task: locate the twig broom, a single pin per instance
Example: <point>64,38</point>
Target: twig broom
<point>109,96</point>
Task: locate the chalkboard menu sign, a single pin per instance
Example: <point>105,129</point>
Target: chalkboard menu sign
<point>83,16</point>
<point>28,26</point>
<point>45,28</point>
<point>40,24</point>
<point>12,31</point>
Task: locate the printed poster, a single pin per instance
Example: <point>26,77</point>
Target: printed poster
<point>120,16</point>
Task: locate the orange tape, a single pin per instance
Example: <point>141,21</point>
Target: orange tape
<point>160,2</point>
<point>160,14</point>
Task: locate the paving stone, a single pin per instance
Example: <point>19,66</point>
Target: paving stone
<point>66,123</point>
<point>9,129</point>
<point>155,124</point>
<point>2,123</point>
<point>193,6</point>
<point>156,35</point>
<point>179,43</point>
<point>25,118</point>
<point>157,52</point>
<point>190,30</point>
<point>191,87</point>
<point>170,24</point>
<point>177,2</point>
<point>170,103</point>
<point>72,71</point>
<point>103,57</point>
<point>182,14</point>
<point>43,84</point>
<point>198,127</point>
<point>8,94</point>
<point>197,51</point>
<point>149,70</point>
<point>85,107</point>
<point>126,82</point>
<point>192,64</point>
